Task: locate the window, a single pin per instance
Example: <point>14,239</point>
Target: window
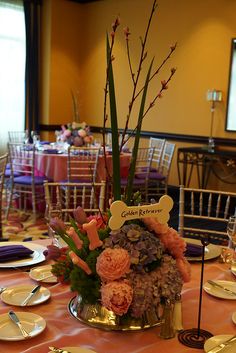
<point>12,69</point>
<point>231,107</point>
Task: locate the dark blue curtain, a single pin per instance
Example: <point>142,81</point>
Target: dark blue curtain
<point>32,78</point>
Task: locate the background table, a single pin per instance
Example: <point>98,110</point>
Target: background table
<point>64,330</point>
<point>220,162</point>
<point>54,166</point>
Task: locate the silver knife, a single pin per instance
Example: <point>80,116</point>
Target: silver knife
<point>57,350</point>
<point>215,284</point>
<point>222,345</point>
<point>32,293</point>
<point>16,320</point>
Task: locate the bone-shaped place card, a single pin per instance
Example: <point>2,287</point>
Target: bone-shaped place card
<point>120,212</point>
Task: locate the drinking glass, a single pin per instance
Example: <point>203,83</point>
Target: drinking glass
<point>26,137</point>
<point>53,211</point>
<point>231,231</point>
<point>36,138</point>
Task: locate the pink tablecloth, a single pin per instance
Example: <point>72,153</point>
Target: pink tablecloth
<point>64,330</point>
<point>54,166</point>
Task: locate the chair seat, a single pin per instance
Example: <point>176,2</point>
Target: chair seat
<point>151,169</point>
<point>156,176</point>
<point>151,176</point>
<point>136,181</point>
<point>27,180</point>
<point>8,173</point>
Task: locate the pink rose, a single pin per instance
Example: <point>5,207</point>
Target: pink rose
<point>67,133</point>
<point>117,296</point>
<point>82,133</point>
<point>113,264</point>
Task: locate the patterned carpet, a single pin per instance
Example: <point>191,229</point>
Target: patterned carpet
<point>21,226</point>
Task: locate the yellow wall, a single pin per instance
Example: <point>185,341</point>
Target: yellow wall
<point>203,30</point>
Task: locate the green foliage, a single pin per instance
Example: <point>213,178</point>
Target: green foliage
<point>104,233</point>
<point>91,259</point>
<point>114,126</point>
<point>88,286</point>
<point>129,189</point>
<point>62,269</point>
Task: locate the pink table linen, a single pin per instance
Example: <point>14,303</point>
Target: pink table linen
<point>54,166</point>
<point>64,330</point>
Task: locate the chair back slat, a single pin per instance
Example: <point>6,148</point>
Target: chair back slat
<point>25,186</point>
<point>3,163</point>
<point>158,145</point>
<point>205,212</point>
<point>82,164</point>
<point>70,195</point>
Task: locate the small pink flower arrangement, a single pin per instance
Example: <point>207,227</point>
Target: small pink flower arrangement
<point>77,134</point>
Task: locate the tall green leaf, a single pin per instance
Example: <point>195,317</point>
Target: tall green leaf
<point>129,189</point>
<point>114,127</point>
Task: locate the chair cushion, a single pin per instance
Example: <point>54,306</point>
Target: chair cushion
<point>151,169</point>
<point>27,180</point>
<point>156,176</point>
<point>136,181</point>
<point>8,173</point>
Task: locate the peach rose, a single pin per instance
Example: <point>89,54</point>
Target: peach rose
<point>113,264</point>
<point>117,296</point>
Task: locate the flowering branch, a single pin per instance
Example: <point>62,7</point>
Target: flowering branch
<point>110,58</point>
<point>110,90</point>
<point>143,56</point>
<point>164,86</point>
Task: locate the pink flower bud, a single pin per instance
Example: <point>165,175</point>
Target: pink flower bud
<point>126,32</point>
<point>80,215</point>
<point>57,225</point>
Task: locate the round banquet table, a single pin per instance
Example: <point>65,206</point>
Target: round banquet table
<point>54,166</point>
<point>64,330</point>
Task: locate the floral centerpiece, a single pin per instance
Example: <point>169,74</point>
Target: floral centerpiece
<point>75,133</point>
<point>126,261</point>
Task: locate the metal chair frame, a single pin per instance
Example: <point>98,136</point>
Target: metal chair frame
<point>158,181</point>
<point>206,207</point>
<point>82,164</point>
<point>158,145</point>
<point>142,170</point>
<point>69,195</point>
<point>3,163</point>
<point>17,136</point>
<point>22,161</point>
